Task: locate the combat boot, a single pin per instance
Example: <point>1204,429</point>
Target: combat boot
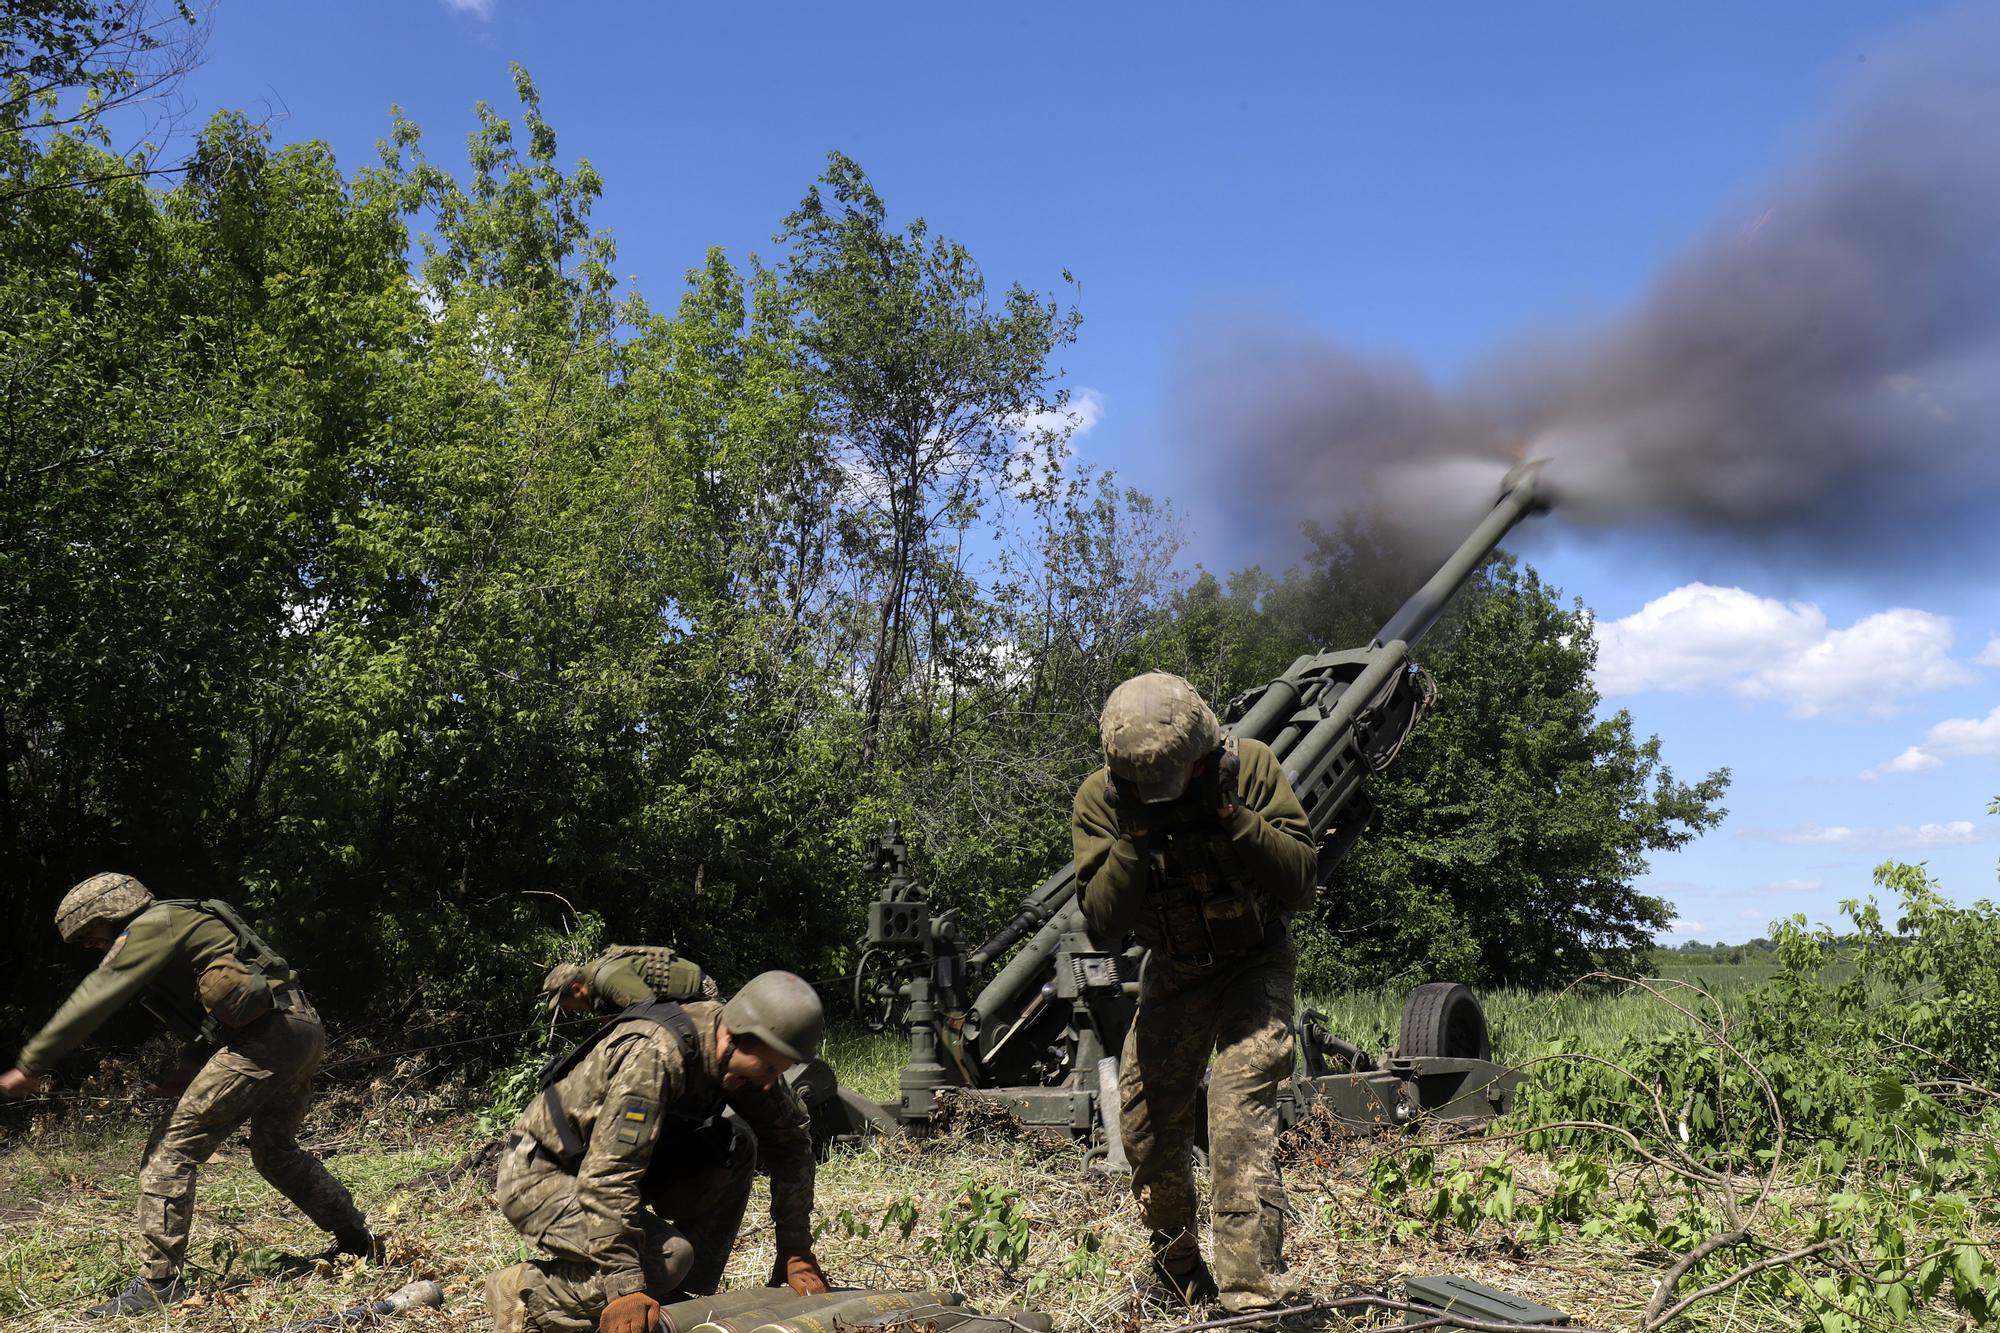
<point>1183,1279</point>
<point>503,1299</point>
<point>142,1295</point>
<point>363,1244</point>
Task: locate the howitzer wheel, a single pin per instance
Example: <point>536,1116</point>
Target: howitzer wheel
<point>878,998</point>
<point>1444,1018</point>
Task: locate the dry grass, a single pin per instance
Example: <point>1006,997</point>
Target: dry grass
<point>68,1184</point>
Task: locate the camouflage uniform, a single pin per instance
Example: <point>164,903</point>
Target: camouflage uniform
<point>655,1203</point>
<point>1211,899</point>
<point>629,974</point>
<point>169,957</point>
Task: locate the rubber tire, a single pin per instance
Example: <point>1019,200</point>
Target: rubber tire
<point>1444,1018</point>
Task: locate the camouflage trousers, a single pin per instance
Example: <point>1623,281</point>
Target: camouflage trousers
<point>688,1223</point>
<point>263,1074</point>
<point>1242,1011</point>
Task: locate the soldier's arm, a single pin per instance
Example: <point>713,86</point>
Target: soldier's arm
<point>134,959</point>
<point>1110,867</point>
<point>784,1151</point>
<point>635,1080</point>
<point>617,983</point>
<point>1270,831</point>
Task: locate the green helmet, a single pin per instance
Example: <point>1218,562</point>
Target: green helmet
<point>780,1010</point>
<point>108,898</point>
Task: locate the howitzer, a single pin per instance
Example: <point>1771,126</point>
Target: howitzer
<point>1034,1017</point>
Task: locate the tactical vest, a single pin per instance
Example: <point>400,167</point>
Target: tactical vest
<point>691,1112</point>
<point>235,990</point>
<point>666,974</point>
<point>1201,905</point>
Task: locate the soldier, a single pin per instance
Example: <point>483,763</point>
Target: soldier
<point>627,1172</point>
<point>258,1042</point>
<point>625,975</point>
<point>1198,846</point>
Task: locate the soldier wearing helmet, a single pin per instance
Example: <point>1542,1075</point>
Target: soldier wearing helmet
<point>629,1174</point>
<point>256,1043</point>
<point>625,975</point>
<point>1197,846</point>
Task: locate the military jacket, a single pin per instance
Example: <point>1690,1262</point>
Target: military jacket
<point>1265,850</point>
<point>627,1098</point>
<point>626,975</point>
<point>158,957</point>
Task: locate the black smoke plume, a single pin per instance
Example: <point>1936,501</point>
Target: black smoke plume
<point>1817,378</point>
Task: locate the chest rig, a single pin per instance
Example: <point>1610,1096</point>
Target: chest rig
<point>234,991</point>
<point>1201,906</point>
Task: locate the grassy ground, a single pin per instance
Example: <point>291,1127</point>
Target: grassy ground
<point>1006,1219</point>
<point>64,1237</point>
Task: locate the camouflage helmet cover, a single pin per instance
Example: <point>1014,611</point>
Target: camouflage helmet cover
<point>1153,727</point>
<point>779,1009</point>
<point>109,898</point>
<point>559,980</point>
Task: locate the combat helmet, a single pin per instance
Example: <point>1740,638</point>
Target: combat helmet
<point>781,1010</point>
<point>1154,726</point>
<point>559,980</point>
<point>109,898</point>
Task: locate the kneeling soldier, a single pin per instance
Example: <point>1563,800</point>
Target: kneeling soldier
<point>625,975</point>
<point>628,1173</point>
<point>259,1042</point>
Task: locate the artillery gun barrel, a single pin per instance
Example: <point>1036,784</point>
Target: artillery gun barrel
<point>1521,495</point>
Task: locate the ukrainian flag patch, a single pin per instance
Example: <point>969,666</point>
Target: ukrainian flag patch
<point>632,1121</point>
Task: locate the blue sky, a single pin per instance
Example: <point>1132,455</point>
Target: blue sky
<point>1416,182</point>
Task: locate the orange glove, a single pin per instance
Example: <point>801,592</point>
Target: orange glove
<point>800,1271</point>
<point>634,1312</point>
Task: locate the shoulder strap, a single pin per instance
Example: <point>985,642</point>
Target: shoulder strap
<point>664,1012</point>
<point>256,955</point>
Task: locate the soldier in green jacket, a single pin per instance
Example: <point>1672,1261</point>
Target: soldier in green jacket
<point>1199,848</point>
<point>627,1172</point>
<point>625,975</point>
<point>207,975</point>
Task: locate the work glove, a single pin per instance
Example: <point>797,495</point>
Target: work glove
<point>634,1312</point>
<point>800,1271</point>
<point>1130,815</point>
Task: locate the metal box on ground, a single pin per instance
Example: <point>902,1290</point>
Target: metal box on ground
<point>1475,1300</point>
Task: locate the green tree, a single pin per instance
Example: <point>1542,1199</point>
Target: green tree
<point>1510,831</point>
<point>931,398</point>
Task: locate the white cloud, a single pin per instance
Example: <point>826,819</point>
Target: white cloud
<point>1700,636</point>
<point>1790,886</point>
<point>1990,654</point>
<point>481,8</point>
<point>1958,833</point>
<point>1896,837</point>
<point>1818,835</point>
<point>1084,410</point>
<point>1681,928</point>
<point>1953,738</point>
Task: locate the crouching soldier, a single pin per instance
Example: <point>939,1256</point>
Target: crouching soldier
<point>629,1174</point>
<point>257,1043</point>
<point>625,975</point>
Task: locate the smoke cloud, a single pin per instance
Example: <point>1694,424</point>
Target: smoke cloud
<point>1817,378</point>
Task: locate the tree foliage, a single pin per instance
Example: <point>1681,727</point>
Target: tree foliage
<point>370,555</point>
